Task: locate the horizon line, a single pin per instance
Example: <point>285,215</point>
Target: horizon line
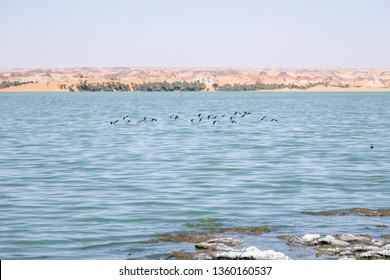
<point>193,67</point>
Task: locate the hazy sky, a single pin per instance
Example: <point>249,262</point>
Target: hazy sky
<point>197,33</point>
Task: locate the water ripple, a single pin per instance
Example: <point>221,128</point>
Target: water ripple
<point>75,187</point>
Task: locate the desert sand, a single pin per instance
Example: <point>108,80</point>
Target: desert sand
<point>51,79</point>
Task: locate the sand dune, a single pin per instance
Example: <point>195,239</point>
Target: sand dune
<point>51,79</point>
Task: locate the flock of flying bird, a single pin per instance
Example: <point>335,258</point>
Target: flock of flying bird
<point>200,117</point>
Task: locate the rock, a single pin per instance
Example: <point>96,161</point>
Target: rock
<point>198,237</point>
<point>350,238</point>
<point>182,256</point>
<point>284,236</point>
<point>346,253</point>
<point>204,256</point>
<point>242,230</point>
<point>345,237</point>
<point>377,243</point>
<point>381,226</point>
<point>381,254</point>
<point>362,211</point>
<point>253,253</point>
<point>186,237</point>
<point>347,258</point>
<point>343,246</point>
<point>310,237</point>
<point>226,255</point>
<point>331,240</point>
<point>209,246</point>
<point>384,253</point>
<point>363,248</point>
<point>354,211</point>
<point>321,213</point>
<point>365,239</point>
<point>212,246</point>
<point>330,251</point>
<point>218,244</point>
<point>226,241</point>
<point>386,247</point>
<point>302,255</point>
<point>373,248</point>
<point>250,253</point>
<point>368,255</point>
<point>383,212</point>
<point>295,241</point>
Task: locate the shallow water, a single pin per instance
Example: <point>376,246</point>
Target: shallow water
<point>75,187</point>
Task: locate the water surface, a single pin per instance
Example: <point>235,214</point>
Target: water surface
<point>75,187</point>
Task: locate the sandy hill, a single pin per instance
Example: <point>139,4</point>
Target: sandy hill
<point>51,79</point>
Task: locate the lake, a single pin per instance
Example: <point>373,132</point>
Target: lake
<point>74,186</point>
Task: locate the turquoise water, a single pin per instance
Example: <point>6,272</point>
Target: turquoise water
<point>75,187</point>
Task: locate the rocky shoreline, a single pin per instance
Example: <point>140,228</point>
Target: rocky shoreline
<point>343,246</point>
<point>210,247</point>
<point>333,246</point>
<point>228,243</point>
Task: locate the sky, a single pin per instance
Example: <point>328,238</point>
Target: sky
<point>196,33</point>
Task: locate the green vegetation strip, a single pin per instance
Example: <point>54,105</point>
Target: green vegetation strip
<point>261,86</point>
<point>6,84</point>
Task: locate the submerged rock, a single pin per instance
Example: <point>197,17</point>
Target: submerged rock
<point>283,236</point>
<point>182,256</point>
<point>353,211</point>
<point>381,226</point>
<point>210,234</point>
<point>362,211</point>
<point>383,212</point>
<point>296,241</point>
<point>242,230</point>
<point>185,237</point>
<point>369,212</point>
<point>204,223</point>
<point>325,213</point>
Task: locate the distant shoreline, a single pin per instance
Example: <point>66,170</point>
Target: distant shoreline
<point>39,88</point>
<point>54,87</point>
<point>195,79</point>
